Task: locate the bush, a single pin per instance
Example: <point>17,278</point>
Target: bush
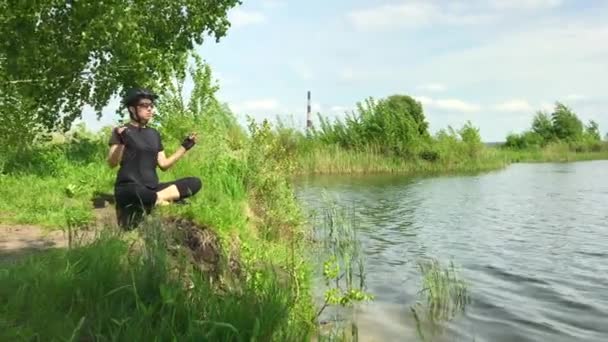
<point>563,125</point>
<point>395,125</point>
<point>471,138</point>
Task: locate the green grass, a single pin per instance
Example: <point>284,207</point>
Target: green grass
<point>105,291</point>
<point>336,160</point>
<point>102,292</point>
<point>553,153</point>
<point>444,294</point>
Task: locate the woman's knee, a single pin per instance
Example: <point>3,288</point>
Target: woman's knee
<point>134,195</point>
<point>189,186</point>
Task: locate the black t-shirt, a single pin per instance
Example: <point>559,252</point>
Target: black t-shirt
<point>139,158</point>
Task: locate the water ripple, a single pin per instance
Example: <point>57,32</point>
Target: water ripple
<point>530,240</point>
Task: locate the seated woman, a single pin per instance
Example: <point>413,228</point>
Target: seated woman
<point>139,150</point>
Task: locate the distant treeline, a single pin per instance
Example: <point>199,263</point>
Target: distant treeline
<point>392,135</point>
<point>560,126</point>
<point>398,126</point>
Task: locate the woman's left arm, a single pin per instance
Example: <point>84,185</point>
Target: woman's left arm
<point>165,163</point>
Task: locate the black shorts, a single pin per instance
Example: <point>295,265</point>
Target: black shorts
<point>133,200</point>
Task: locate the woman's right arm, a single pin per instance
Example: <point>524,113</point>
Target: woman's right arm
<point>115,155</point>
<point>116,147</point>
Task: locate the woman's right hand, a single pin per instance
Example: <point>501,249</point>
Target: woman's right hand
<point>119,132</point>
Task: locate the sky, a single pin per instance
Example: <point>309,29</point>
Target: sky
<point>493,62</point>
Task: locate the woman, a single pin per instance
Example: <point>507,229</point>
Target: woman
<point>139,150</point>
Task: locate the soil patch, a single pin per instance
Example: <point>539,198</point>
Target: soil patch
<point>203,248</point>
<point>199,243</point>
<point>22,240</point>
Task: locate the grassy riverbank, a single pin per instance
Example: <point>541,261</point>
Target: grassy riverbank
<point>391,136</point>
<point>112,289</point>
<point>337,160</point>
<point>554,153</point>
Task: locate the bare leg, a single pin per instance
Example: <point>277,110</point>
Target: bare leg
<point>166,195</point>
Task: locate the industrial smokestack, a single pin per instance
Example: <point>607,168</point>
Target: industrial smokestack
<point>308,114</point>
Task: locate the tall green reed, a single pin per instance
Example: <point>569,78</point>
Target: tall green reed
<point>445,295</point>
<point>343,274</point>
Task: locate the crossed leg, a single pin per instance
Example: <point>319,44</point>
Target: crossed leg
<point>167,195</point>
<point>133,200</point>
<point>178,189</point>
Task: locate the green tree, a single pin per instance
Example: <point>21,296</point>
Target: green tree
<point>396,125</point>
<point>404,105</point>
<point>19,122</point>
<point>566,125</point>
<point>514,140</point>
<point>543,126</point>
<point>593,131</point>
<point>470,134</point>
<point>533,139</point>
<point>63,55</point>
<point>525,140</point>
<point>471,138</point>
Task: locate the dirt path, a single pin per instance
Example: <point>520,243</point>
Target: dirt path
<point>22,240</point>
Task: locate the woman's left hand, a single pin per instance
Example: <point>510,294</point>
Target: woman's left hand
<point>189,141</point>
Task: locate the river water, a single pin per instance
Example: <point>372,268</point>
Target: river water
<point>531,241</point>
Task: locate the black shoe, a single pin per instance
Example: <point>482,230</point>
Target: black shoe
<point>181,201</point>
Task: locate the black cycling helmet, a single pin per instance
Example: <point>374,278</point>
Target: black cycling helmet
<point>133,96</point>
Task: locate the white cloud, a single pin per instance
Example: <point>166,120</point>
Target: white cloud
<point>386,16</point>
<point>272,4</point>
<point>435,87</point>
<point>457,105</point>
<point>347,74</point>
<point>525,4</point>
<point>528,58</point>
<point>258,105</point>
<point>515,105</point>
<point>419,13</point>
<point>449,104</point>
<point>576,97</point>
<point>410,14</point>
<point>424,100</point>
<point>240,18</point>
<point>546,107</point>
<point>302,70</point>
<point>339,109</point>
<point>352,74</point>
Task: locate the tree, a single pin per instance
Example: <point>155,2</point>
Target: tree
<point>470,134</point>
<point>406,106</point>
<point>593,131</point>
<point>543,126</point>
<point>471,138</point>
<point>19,123</point>
<point>566,125</point>
<point>63,55</point>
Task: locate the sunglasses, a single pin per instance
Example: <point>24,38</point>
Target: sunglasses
<point>146,105</point>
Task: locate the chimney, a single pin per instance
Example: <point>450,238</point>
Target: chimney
<point>308,114</point>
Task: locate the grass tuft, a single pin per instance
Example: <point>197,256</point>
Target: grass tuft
<point>445,296</point>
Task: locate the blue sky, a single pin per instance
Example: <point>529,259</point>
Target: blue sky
<point>494,62</point>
